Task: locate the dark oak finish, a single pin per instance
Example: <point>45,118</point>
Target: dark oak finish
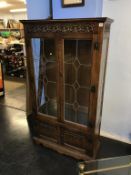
<point>66,66</point>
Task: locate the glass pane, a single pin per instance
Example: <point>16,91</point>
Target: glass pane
<point>77,72</point>
<point>110,166</point>
<point>46,75</point>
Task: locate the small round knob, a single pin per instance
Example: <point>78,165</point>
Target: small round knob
<point>81,166</point>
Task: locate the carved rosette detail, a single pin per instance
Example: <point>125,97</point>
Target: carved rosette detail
<point>62,28</point>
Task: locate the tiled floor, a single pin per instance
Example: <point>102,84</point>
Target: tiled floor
<point>20,156</point>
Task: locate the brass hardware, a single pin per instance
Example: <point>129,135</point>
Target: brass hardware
<point>93,89</point>
<point>106,169</point>
<point>96,46</point>
<point>81,167</point>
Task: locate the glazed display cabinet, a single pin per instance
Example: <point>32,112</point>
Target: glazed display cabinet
<point>66,65</point>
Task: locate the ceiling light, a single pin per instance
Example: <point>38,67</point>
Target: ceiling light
<point>18,10</point>
<point>4,4</point>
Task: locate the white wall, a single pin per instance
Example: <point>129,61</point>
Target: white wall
<point>116,119</point>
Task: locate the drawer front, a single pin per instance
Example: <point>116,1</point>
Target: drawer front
<point>70,138</point>
<point>47,130</point>
<point>73,139</point>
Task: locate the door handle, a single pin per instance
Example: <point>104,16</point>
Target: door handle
<point>93,88</point>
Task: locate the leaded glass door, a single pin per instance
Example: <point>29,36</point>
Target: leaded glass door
<point>46,75</point>
<point>77,80</point>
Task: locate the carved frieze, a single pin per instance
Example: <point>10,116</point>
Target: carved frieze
<point>62,28</point>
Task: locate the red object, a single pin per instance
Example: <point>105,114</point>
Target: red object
<point>1,84</point>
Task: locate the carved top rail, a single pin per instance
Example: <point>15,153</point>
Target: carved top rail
<point>89,25</point>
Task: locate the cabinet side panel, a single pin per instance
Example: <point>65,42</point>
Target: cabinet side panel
<point>102,75</point>
<point>30,80</point>
<point>98,79</point>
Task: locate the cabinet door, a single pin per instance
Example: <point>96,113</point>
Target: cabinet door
<point>77,80</point>
<point>45,70</point>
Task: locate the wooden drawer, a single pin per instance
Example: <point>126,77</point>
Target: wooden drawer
<point>47,130</point>
<point>79,141</point>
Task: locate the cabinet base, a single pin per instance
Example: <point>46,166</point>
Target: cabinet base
<point>62,149</point>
